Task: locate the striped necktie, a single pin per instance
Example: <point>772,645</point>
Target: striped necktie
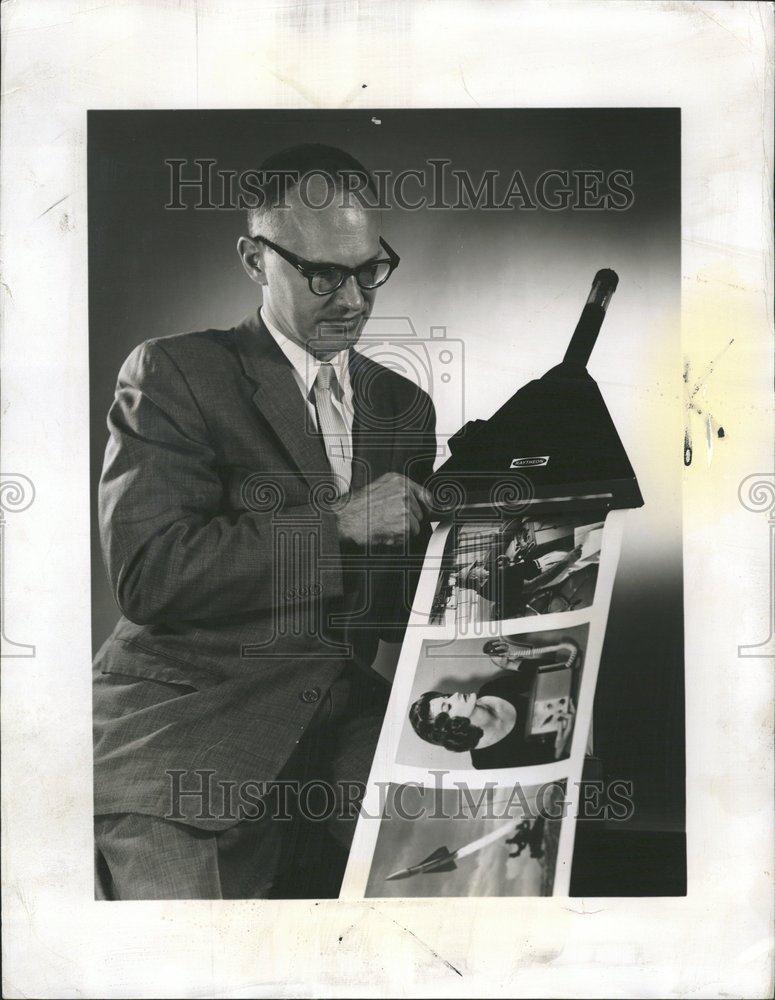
<point>333,428</point>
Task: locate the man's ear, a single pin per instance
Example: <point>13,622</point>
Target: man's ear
<point>252,256</point>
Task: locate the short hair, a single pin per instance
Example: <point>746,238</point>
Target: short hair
<point>456,734</point>
<point>283,171</point>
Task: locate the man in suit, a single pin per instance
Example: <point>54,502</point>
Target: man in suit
<point>261,503</point>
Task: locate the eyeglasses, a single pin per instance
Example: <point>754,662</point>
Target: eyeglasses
<point>325,278</point>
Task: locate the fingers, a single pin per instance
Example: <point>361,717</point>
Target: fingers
<point>422,495</point>
<point>398,507</point>
<point>415,508</point>
<point>418,494</point>
<point>410,526</point>
<point>412,497</point>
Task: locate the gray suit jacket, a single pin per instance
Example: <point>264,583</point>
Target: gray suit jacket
<point>240,605</point>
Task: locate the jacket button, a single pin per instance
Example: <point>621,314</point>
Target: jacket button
<point>310,695</point>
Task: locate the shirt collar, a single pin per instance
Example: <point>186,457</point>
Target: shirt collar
<point>305,364</point>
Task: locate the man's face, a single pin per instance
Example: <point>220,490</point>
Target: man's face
<point>335,235</point>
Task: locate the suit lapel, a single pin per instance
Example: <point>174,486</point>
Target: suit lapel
<point>372,435</point>
<point>278,398</point>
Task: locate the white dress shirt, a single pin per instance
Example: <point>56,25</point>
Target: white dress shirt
<point>305,366</point>
<point>305,370</point>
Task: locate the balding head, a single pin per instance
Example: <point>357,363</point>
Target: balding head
<point>313,175</point>
<point>310,210</point>
<point>317,224</point>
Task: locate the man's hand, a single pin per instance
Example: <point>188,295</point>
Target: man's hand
<point>386,512</point>
<point>475,575</point>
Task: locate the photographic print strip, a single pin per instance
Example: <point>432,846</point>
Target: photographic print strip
<point>486,712</point>
<point>517,567</point>
<point>454,842</point>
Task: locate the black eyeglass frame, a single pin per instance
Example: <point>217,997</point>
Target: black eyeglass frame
<point>309,268</point>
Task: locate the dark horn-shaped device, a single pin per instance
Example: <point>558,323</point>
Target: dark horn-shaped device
<point>551,447</point>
